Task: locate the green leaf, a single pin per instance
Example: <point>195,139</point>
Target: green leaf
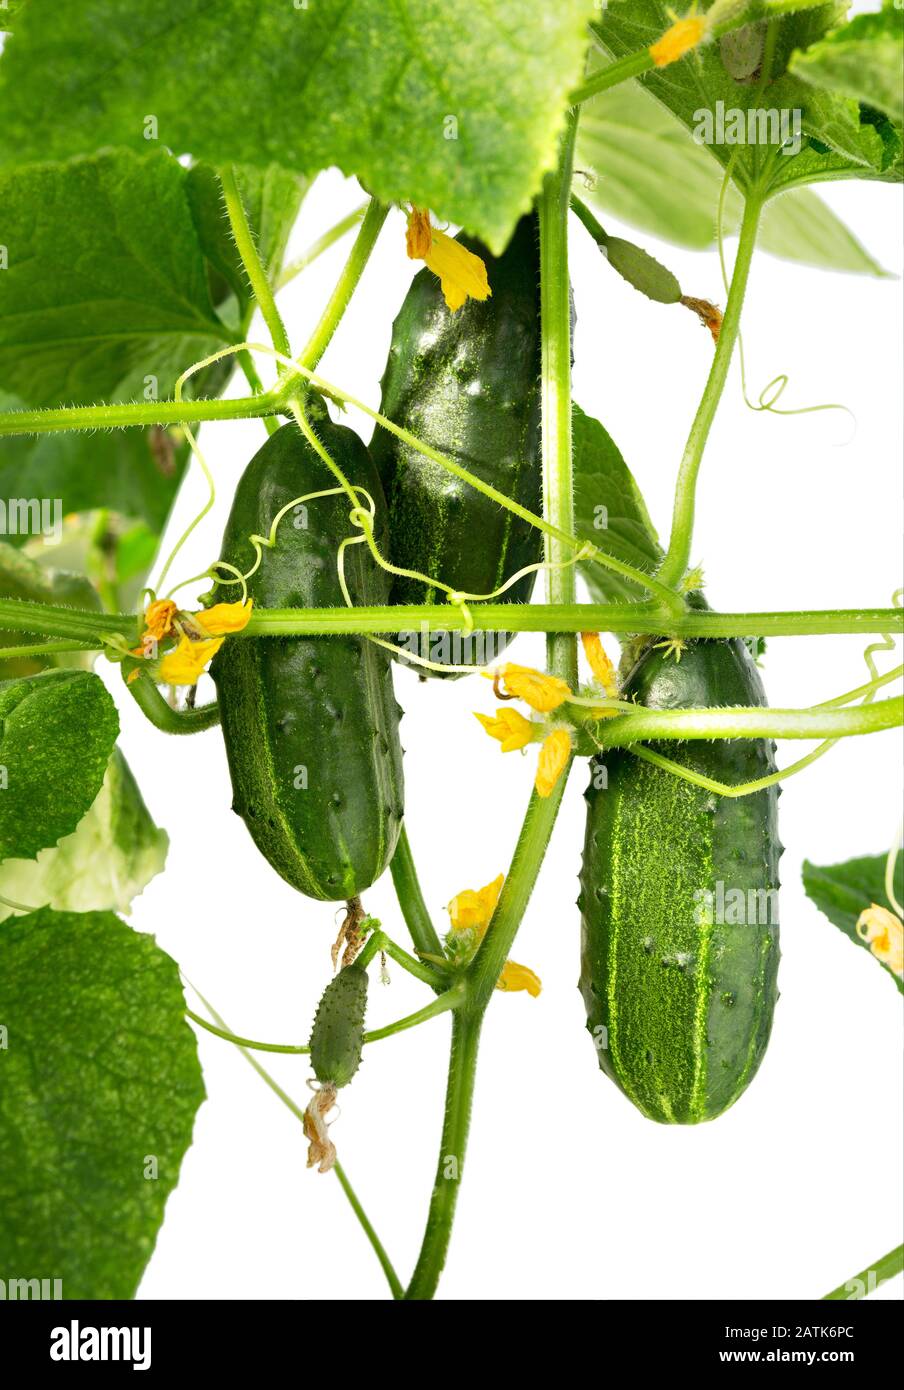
<point>101,1085</point>
<point>843,891</point>
<point>863,60</point>
<point>609,510</point>
<point>449,104</point>
<point>105,295</point>
<point>645,168</point>
<point>21,577</point>
<point>109,858</point>
<point>840,140</point>
<point>271,197</point>
<point>57,731</point>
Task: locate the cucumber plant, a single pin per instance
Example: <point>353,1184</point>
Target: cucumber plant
<point>134,250</point>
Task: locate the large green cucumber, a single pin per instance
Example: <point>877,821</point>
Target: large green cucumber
<point>468,384</point>
<point>310,723</point>
<point>678,900</point>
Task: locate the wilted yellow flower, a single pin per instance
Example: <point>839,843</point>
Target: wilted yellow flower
<point>883,931</point>
<point>537,689</point>
<point>554,756</point>
<point>224,617</point>
<point>599,663</point>
<point>684,35</point>
<point>158,619</point>
<point>515,977</point>
<point>462,274</point>
<point>471,911</point>
<point>509,727</point>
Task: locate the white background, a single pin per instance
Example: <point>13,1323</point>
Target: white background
<point>569,1192</point>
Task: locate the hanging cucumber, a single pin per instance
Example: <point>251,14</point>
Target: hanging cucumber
<point>466,383</point>
<point>678,900</point>
<point>311,723</point>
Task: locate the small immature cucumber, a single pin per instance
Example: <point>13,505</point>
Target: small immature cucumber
<point>310,723</point>
<point>337,1038</point>
<point>678,900</point>
<point>466,383</point>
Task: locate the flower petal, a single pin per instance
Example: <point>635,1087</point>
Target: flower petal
<point>158,619</point>
<point>554,756</point>
<point>472,909</point>
<point>509,727</point>
<point>515,977</point>
<point>537,689</point>
<point>599,663</point>
<point>224,617</point>
<point>883,931</point>
<point>462,274</point>
<point>184,665</point>
<point>684,35</point>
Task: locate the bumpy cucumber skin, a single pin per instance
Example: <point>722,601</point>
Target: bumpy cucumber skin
<point>337,1038</point>
<point>687,1008</point>
<point>324,704</point>
<point>468,384</point>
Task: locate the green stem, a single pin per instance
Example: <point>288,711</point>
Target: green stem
<point>154,707</point>
<point>870,1278</point>
<point>379,941</point>
<point>678,554</point>
<point>47,649</point>
<point>411,900</point>
<point>621,71</point>
<point>452,999</point>
<point>758,722</point>
<point>486,967</point>
<point>271,423</point>
<point>17,615</point>
<point>450,1166</point>
<point>555,393</point>
<point>395,1283</point>
<point>110,417</point>
<point>359,255</point>
<point>257,275</point>
<point>323,243</point>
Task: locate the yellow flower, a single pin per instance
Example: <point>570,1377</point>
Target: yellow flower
<point>883,931</point>
<point>462,274</point>
<point>684,35</point>
<point>185,664</point>
<point>542,692</point>
<point>554,756</point>
<point>599,663</point>
<point>515,977</point>
<point>471,911</point>
<point>158,619</point>
<point>224,618</point>
<point>509,727</point>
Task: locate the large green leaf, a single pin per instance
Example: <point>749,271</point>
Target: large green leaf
<point>840,139</point>
<point>106,293</point>
<point>451,104</point>
<point>843,891</point>
<point>109,858</point>
<point>57,731</point>
<point>100,1087</point>
<point>863,60</point>
<point>645,168</point>
<point>609,510</point>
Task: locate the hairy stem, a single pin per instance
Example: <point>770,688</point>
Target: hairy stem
<point>18,615</point>
<point>755,722</point>
<point>111,417</point>
<point>411,900</point>
<point>365,241</point>
<point>323,243</point>
<point>154,707</point>
<point>870,1278</point>
<point>450,1165</point>
<point>678,554</point>
<point>254,269</point>
<point>621,71</point>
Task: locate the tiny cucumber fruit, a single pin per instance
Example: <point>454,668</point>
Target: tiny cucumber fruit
<point>310,723</point>
<point>466,383</point>
<point>337,1038</point>
<point>679,899</point>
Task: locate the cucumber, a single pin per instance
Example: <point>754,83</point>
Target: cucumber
<point>678,974</point>
<point>468,384</point>
<point>337,1038</point>
<point>310,723</point>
